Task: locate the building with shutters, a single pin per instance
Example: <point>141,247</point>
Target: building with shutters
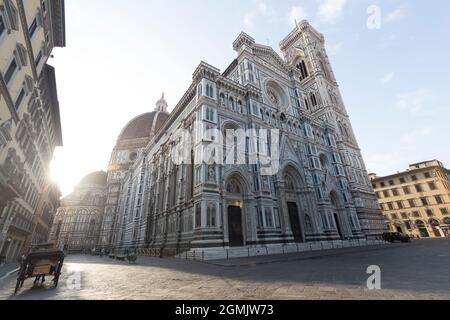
<point>30,126</point>
<point>416,202</point>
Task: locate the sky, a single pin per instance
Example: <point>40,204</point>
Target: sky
<point>390,58</point>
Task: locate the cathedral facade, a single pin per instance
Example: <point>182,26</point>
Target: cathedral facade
<point>262,153</point>
<point>77,223</point>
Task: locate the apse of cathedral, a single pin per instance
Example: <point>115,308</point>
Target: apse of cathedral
<point>270,157</point>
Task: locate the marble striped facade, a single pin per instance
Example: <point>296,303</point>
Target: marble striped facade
<point>321,190</point>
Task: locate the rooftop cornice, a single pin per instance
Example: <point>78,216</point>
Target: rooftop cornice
<point>253,90</point>
<point>405,172</point>
<point>205,70</point>
<point>231,85</point>
<point>242,39</point>
<point>270,52</point>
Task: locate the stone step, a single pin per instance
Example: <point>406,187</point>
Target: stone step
<point>208,254</point>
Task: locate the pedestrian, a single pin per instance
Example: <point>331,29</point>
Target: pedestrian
<point>23,257</point>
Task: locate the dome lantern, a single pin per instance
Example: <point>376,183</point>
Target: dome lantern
<point>161,105</point>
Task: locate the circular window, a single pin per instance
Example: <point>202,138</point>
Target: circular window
<point>275,94</point>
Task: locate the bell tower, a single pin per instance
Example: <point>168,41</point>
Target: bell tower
<point>304,51</point>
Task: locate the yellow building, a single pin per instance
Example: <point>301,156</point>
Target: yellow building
<point>417,201</point>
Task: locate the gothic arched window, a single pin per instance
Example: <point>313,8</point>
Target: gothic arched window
<point>209,91</point>
<point>306,104</point>
<point>301,66</point>
<point>211,213</point>
<point>199,90</point>
<point>308,224</point>
<point>313,99</point>
<point>231,103</point>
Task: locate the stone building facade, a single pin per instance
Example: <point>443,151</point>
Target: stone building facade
<point>263,153</point>
<point>77,223</point>
<point>416,202</point>
<point>132,141</point>
<point>30,126</point>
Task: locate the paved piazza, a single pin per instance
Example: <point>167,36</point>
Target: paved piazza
<point>420,270</point>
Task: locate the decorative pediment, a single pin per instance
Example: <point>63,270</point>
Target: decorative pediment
<point>269,55</point>
<point>287,151</point>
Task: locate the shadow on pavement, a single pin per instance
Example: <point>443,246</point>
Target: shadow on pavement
<point>421,267</point>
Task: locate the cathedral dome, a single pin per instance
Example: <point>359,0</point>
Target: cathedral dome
<point>98,177</point>
<point>146,125</point>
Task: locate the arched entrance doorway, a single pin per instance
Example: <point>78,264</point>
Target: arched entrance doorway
<point>422,229</point>
<point>292,184</point>
<point>335,206</point>
<point>435,225</point>
<point>338,225</point>
<point>398,226</point>
<point>235,232</point>
<point>294,219</point>
<point>234,206</point>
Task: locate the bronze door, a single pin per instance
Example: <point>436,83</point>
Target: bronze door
<point>338,226</point>
<point>236,238</point>
<point>295,221</point>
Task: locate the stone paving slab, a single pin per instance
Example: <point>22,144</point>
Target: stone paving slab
<point>339,276</point>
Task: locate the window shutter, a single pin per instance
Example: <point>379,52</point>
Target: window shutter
<point>12,15</point>
<point>40,18</point>
<point>28,84</point>
<point>21,55</point>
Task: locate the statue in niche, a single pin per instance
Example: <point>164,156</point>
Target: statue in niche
<point>265,183</point>
<point>212,173</point>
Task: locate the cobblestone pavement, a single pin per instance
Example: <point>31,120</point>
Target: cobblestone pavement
<point>420,270</point>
